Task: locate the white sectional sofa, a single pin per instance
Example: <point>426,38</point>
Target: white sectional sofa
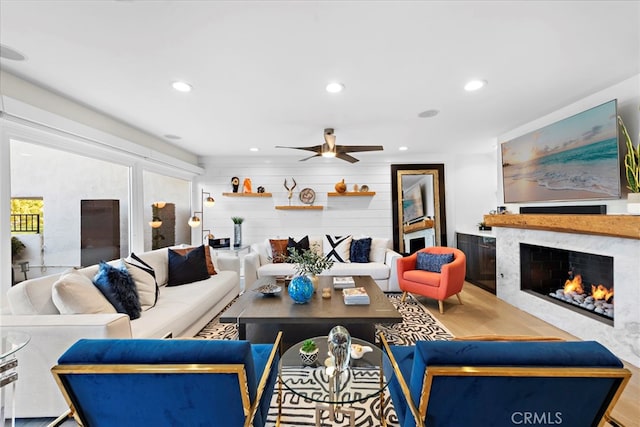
<point>180,311</point>
<point>381,266</point>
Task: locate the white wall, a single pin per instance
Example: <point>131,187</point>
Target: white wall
<point>354,215</point>
<point>63,179</point>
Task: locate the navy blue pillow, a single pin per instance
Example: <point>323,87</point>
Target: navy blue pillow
<point>432,262</point>
<point>360,249</point>
<point>188,268</point>
<point>119,288</point>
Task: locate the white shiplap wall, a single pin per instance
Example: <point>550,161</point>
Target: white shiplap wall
<point>371,216</point>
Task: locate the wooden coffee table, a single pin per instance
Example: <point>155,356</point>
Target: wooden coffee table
<point>260,317</point>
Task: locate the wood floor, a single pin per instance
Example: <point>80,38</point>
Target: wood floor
<point>484,314</point>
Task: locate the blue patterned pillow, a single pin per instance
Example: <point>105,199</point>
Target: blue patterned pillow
<point>360,249</point>
<point>432,262</point>
<point>119,288</point>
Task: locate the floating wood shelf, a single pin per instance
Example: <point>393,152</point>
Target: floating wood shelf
<point>626,226</point>
<point>246,194</point>
<point>300,208</point>
<point>352,193</point>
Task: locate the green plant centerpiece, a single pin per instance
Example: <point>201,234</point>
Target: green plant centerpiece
<point>631,171</point>
<point>309,263</point>
<point>309,352</point>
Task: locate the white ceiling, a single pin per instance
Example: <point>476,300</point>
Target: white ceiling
<point>259,68</point>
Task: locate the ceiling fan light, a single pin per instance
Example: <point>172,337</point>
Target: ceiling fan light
<point>328,154</point>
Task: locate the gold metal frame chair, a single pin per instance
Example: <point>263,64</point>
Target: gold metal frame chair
<point>250,408</point>
<point>419,410</point>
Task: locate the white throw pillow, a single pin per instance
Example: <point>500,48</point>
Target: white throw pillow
<point>144,277</point>
<point>337,248</point>
<point>378,250</point>
<point>75,293</point>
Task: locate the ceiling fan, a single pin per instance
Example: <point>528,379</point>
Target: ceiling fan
<point>330,149</point>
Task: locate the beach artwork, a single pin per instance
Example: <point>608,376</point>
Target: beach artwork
<point>573,159</point>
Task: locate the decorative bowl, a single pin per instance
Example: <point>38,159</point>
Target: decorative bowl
<point>269,289</point>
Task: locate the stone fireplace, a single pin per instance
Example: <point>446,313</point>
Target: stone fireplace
<point>578,281</point>
<point>622,334</point>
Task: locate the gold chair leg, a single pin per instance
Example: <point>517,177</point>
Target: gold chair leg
<point>459,299</point>
<point>404,296</point>
<point>441,306</point>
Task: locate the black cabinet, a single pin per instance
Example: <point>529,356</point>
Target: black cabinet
<point>481,259</point>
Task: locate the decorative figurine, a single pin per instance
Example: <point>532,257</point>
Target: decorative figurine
<point>246,186</point>
<point>341,187</point>
<point>339,342</point>
<point>261,189</point>
<point>290,190</point>
<point>235,183</point>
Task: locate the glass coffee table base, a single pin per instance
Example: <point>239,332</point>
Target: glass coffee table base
<point>332,407</point>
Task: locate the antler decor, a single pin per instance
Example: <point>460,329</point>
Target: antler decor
<point>290,190</point>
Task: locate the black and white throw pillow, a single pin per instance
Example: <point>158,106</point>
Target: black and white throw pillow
<point>144,277</point>
<point>337,247</point>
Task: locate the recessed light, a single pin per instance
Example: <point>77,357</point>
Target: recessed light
<point>170,136</point>
<point>182,86</point>
<point>475,85</point>
<point>254,149</point>
<point>8,53</point>
<point>403,148</point>
<point>428,113</point>
<point>335,87</point>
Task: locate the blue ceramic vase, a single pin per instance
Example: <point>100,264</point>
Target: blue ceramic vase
<point>301,289</point>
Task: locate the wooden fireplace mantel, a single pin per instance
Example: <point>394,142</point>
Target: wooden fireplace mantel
<point>626,226</point>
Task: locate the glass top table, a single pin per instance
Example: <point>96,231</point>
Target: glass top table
<point>12,342</point>
<point>331,390</point>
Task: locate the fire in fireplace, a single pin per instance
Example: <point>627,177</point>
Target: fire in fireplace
<point>598,299</point>
<point>578,280</point>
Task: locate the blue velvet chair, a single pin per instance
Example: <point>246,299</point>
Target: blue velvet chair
<point>172,382</point>
<point>504,383</point>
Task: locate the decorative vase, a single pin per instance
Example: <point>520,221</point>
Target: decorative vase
<point>301,289</point>
<point>315,280</point>
<point>633,203</point>
<point>309,358</point>
<point>237,234</point>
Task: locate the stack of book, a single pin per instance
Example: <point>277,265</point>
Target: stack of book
<point>343,282</point>
<point>355,296</point>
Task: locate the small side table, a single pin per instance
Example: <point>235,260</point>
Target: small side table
<point>235,250</point>
<point>11,343</point>
<point>363,380</point>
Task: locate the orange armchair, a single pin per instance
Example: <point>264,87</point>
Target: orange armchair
<point>431,284</point>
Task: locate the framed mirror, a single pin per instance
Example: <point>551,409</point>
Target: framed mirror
<point>418,200</point>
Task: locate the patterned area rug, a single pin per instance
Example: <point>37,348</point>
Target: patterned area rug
<point>417,324</point>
